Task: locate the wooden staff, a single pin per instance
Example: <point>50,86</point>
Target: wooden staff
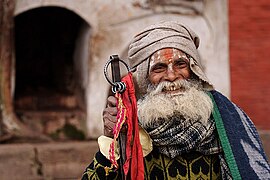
<point>116,77</point>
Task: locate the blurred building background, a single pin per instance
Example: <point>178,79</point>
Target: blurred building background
<point>53,90</point>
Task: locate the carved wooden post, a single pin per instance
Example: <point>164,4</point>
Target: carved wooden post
<point>10,126</point>
<point>6,44</point>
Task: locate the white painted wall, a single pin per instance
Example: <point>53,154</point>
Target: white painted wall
<point>113,24</point>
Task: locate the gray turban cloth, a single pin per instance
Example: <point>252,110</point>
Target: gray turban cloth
<point>168,34</point>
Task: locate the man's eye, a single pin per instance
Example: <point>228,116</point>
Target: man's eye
<point>158,69</point>
<point>181,63</point>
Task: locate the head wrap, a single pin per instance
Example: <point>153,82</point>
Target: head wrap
<point>169,34</point>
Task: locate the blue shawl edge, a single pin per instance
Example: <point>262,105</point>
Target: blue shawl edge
<point>239,139</point>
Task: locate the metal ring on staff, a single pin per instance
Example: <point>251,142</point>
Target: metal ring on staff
<point>116,86</point>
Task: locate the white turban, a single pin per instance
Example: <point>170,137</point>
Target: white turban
<point>169,34</point>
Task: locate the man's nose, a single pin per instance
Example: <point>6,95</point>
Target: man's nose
<point>171,75</point>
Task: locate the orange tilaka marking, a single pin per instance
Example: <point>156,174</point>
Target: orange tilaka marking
<point>168,54</point>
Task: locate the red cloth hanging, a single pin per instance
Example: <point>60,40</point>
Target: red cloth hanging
<point>127,113</point>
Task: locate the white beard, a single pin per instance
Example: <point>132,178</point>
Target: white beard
<point>191,102</point>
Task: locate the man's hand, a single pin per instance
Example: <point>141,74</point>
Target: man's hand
<point>109,116</point>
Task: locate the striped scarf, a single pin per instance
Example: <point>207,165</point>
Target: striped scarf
<point>176,135</point>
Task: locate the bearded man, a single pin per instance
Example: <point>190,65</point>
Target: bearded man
<point>187,129</point>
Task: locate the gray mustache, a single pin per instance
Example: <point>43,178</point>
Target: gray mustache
<point>183,85</point>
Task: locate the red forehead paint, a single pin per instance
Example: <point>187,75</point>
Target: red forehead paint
<point>167,53</point>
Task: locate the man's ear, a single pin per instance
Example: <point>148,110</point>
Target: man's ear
<point>196,41</point>
<point>193,76</point>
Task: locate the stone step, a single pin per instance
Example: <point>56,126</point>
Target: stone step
<point>57,160</point>
<point>66,160</point>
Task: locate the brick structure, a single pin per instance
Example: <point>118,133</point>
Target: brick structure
<point>249,58</point>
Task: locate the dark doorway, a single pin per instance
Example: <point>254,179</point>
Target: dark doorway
<point>47,79</point>
<point>45,41</point>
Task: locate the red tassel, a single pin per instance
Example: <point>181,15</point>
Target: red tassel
<point>134,154</point>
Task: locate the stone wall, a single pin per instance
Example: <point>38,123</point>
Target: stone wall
<point>113,23</point>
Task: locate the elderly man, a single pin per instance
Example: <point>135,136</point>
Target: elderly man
<point>187,129</point>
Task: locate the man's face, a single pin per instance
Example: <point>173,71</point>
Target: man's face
<point>172,91</point>
<point>168,64</point>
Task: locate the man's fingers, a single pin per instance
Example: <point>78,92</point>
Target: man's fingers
<point>111,101</point>
<point>109,116</point>
<point>110,111</point>
<point>109,122</point>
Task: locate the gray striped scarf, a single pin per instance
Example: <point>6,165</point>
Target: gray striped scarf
<point>177,135</point>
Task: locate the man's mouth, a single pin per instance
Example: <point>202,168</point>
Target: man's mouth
<point>173,90</point>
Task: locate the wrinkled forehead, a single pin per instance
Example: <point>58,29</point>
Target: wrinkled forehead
<point>167,55</point>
